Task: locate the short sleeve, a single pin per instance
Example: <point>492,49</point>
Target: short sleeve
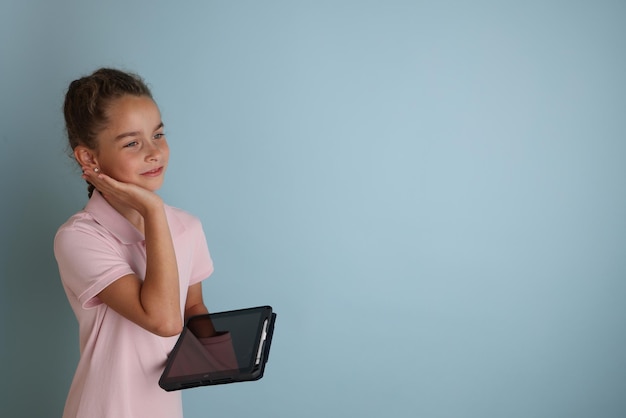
<point>202,264</point>
<point>88,261</point>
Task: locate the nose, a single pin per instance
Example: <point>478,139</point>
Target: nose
<point>153,151</point>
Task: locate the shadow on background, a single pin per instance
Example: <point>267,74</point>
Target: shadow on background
<point>39,330</point>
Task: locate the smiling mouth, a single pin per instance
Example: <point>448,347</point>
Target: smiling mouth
<point>153,173</point>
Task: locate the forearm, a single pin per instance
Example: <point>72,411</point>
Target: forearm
<point>160,291</point>
<point>202,326</point>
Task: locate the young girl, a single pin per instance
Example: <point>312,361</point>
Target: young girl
<point>131,266</point>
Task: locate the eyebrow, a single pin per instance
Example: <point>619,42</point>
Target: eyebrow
<point>135,133</point>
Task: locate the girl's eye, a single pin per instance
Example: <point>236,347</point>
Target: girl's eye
<point>159,136</point>
<point>130,144</point>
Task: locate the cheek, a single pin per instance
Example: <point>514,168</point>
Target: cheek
<point>120,169</point>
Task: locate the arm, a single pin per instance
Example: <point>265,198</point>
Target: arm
<point>153,303</point>
<point>195,306</point>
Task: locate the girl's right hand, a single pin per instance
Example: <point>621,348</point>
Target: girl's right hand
<point>118,193</point>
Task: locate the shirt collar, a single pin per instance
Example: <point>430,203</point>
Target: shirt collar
<point>104,214</point>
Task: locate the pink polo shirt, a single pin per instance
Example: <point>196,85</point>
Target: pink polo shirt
<point>120,362</point>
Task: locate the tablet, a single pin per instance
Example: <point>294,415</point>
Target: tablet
<point>237,352</point>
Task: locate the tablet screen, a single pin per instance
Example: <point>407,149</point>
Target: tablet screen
<point>246,329</point>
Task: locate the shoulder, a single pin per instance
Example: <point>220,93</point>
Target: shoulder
<point>186,229</point>
<point>81,222</point>
<point>182,217</point>
<point>81,231</point>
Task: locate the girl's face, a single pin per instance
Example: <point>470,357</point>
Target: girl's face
<point>132,148</point>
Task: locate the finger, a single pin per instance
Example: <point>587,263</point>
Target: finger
<point>99,180</point>
<point>89,172</point>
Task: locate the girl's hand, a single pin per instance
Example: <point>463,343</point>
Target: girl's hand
<point>125,194</point>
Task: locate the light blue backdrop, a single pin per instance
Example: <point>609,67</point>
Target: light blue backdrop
<point>432,195</point>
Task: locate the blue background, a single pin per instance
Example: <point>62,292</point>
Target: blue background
<point>431,194</point>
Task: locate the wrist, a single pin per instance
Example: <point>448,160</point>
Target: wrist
<point>153,207</point>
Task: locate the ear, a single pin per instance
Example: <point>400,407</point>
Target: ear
<point>86,157</point>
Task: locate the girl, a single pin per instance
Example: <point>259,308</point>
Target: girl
<point>131,266</point>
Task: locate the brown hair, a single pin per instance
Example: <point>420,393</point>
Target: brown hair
<point>87,101</point>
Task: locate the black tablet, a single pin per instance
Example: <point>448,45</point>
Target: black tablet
<point>237,352</point>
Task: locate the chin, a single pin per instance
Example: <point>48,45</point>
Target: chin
<point>154,187</point>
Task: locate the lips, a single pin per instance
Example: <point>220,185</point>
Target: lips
<point>153,173</point>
